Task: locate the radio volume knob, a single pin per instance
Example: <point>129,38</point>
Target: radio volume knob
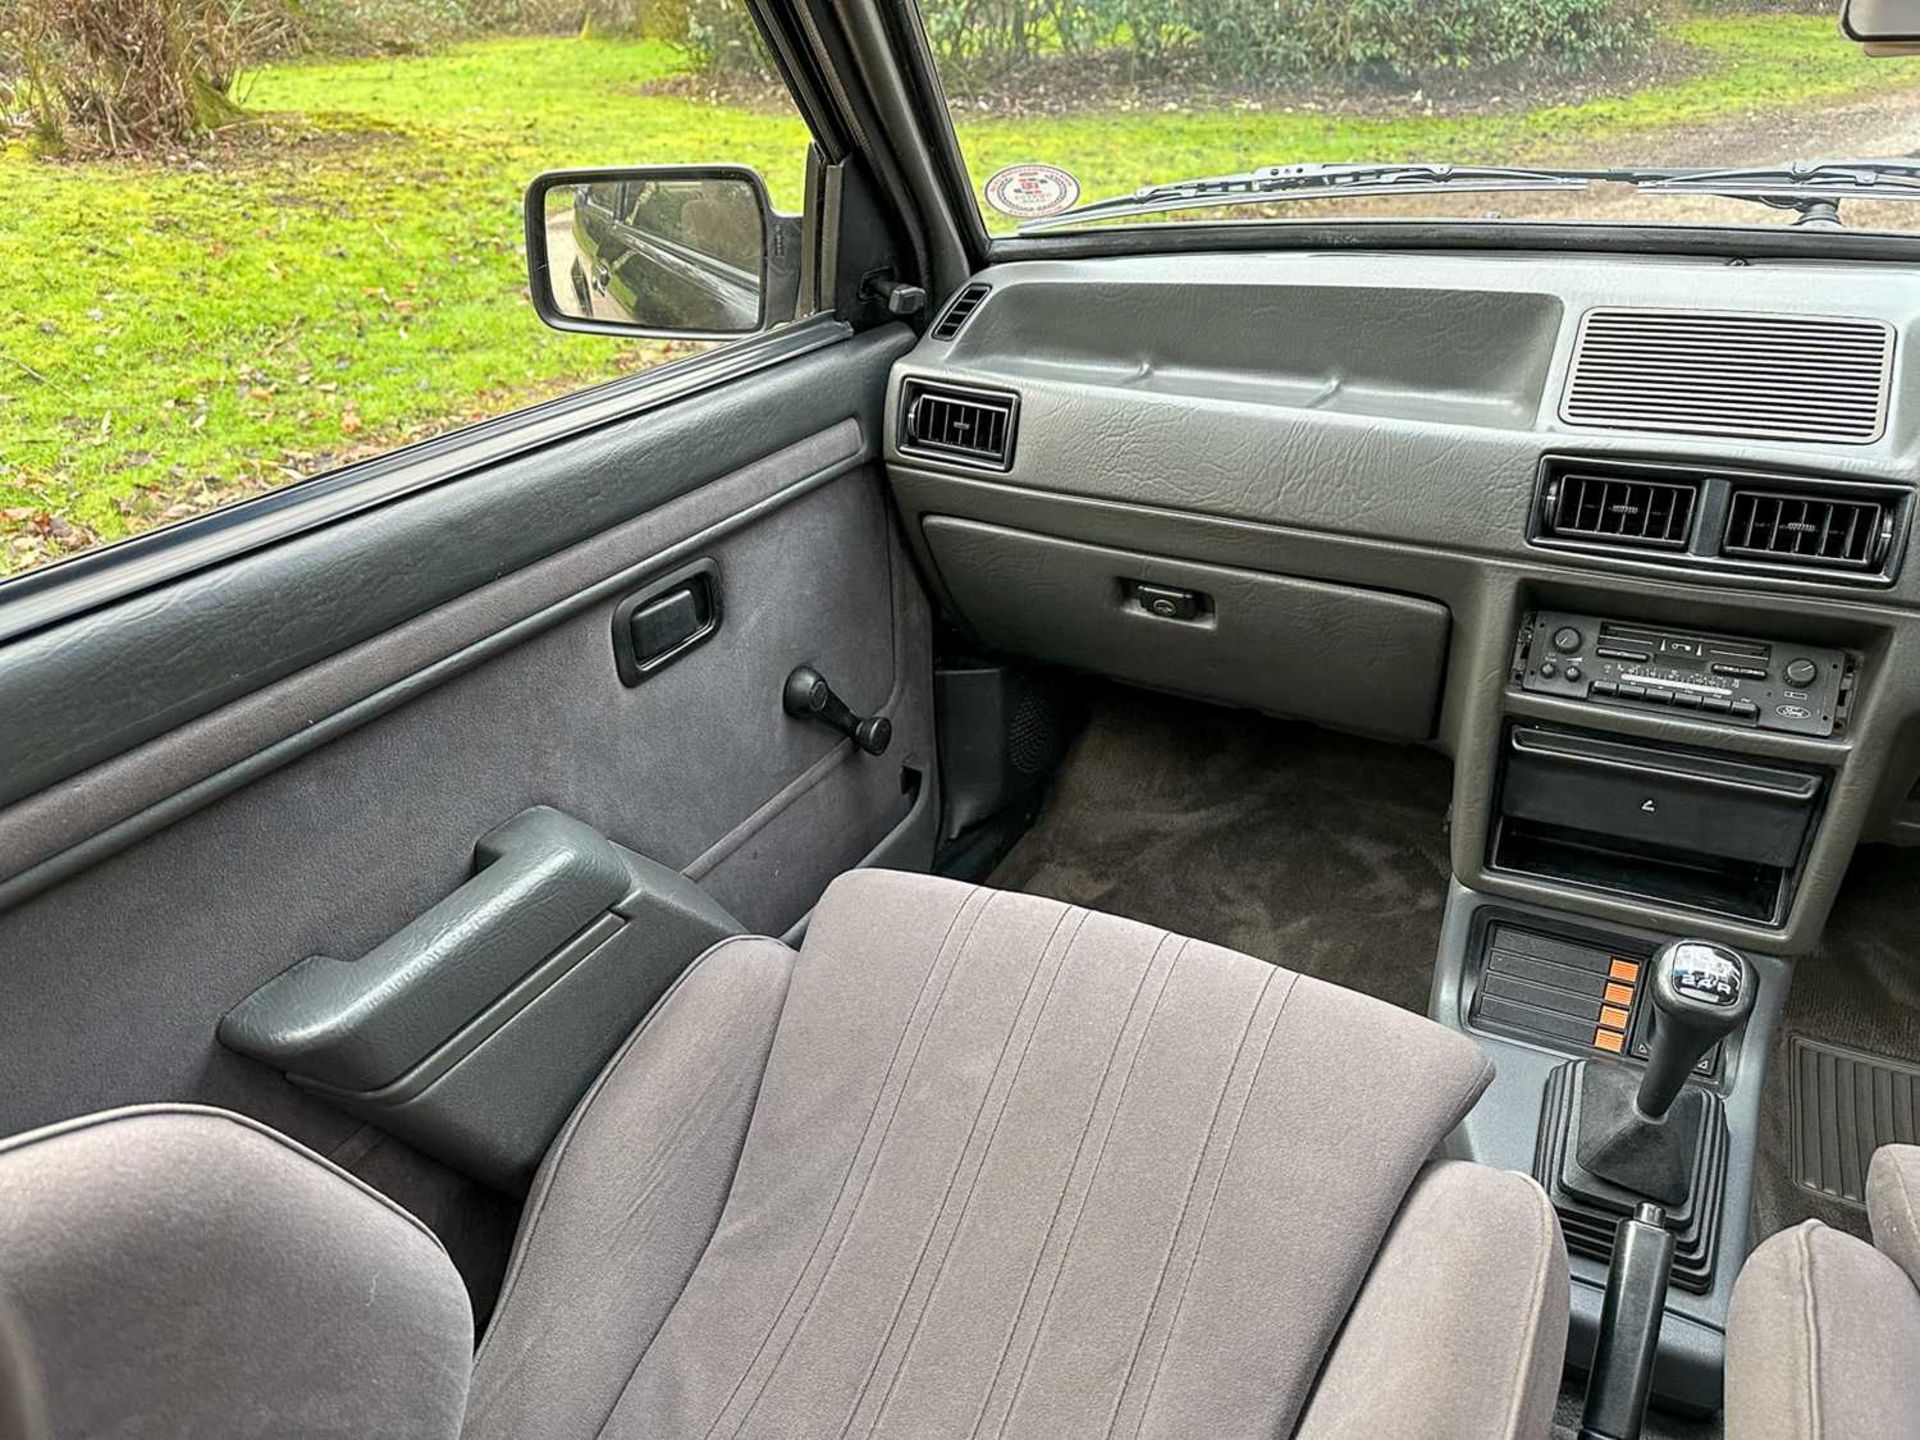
<point>1566,639</point>
<point>1801,672</point>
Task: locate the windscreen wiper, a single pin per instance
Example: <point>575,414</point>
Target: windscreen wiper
<point>1814,188</point>
<point>1311,181</point>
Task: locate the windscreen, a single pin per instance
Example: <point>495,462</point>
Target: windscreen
<point>1650,112</point>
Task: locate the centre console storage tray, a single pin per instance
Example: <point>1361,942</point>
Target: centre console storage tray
<point>1713,804</point>
<point>1711,832</point>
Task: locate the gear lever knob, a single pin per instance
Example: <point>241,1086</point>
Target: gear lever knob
<point>1702,992</point>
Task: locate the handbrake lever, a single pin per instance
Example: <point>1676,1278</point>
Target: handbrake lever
<point>1621,1380</point>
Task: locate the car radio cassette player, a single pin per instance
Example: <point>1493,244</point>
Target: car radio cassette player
<point>1763,685</point>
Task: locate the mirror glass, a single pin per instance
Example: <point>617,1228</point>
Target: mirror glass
<point>681,254</point>
<point>1894,24</point>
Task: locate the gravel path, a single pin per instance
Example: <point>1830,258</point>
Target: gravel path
<point>1886,126</point>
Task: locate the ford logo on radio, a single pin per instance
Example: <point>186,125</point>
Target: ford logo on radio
<point>1793,712</point>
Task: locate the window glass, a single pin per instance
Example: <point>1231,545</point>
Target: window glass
<point>316,256</point>
<point>1057,103</point>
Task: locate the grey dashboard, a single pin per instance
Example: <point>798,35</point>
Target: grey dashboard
<point>1383,424</point>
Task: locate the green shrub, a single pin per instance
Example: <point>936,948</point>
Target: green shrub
<point>1256,41</point>
<point>1404,39</point>
<point>377,27</point>
<point>721,39</point>
<point>119,76</point>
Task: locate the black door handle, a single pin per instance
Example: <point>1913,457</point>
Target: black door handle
<point>654,627</point>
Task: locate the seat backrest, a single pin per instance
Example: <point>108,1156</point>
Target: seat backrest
<point>1019,1168</point>
<point>174,1270</point>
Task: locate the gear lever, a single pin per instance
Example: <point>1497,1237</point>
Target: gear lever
<point>1701,993</point>
<point>1644,1140</point>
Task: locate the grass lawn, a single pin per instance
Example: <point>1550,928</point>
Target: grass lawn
<point>181,334</point>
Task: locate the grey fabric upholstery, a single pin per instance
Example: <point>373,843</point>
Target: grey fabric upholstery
<point>1823,1339</point>
<point>627,1199</point>
<point>1893,1206</point>
<point>1013,1168</point>
<point>178,1271</point>
<point>1823,1342</point>
<point>1461,1326</point>
<point>23,1401</point>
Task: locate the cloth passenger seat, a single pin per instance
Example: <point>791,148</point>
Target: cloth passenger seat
<point>970,1163</point>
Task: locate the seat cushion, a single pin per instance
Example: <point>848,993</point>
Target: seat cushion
<point>1012,1168</point>
<point>1823,1342</point>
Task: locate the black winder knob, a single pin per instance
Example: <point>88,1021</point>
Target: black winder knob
<point>1801,672</point>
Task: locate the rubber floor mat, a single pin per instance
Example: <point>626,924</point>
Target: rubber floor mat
<point>1845,1105</point>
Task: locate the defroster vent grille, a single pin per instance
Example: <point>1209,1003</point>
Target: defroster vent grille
<point>960,310</point>
<point>1787,377</point>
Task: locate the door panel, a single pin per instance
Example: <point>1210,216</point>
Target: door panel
<point>316,812</point>
<point>77,693</point>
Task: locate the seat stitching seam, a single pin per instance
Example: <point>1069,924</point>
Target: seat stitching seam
<point>1070,913</point>
<point>1206,1216</point>
<point>1066,1184</point>
<point>1810,1318</point>
<point>878,1143</point>
<point>1100,1155</point>
<point>562,1144</point>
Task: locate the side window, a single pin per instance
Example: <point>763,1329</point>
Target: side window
<point>324,261</point>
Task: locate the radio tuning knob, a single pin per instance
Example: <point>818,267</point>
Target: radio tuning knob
<point>1801,672</point>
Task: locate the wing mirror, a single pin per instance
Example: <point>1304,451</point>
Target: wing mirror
<point>685,251</point>
<point>1883,27</point>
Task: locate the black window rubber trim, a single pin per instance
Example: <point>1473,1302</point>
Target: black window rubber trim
<point>111,573</point>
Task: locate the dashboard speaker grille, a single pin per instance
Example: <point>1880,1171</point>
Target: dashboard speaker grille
<point>1788,377</point>
<point>1620,509</point>
<point>1804,529</point>
<point>960,310</point>
<point>949,423</point>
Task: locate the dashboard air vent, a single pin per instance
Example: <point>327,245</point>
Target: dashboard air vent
<point>1805,529</point>
<point>960,310</point>
<point>1782,377</point>
<point>974,427</point>
<point>1606,507</point>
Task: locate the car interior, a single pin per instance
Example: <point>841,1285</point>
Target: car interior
<point>1177,830</point>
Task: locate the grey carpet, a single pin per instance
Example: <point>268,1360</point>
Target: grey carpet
<point>1860,989</point>
<point>1320,852</point>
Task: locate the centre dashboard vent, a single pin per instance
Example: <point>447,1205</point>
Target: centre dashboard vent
<point>1776,377</point>
<point>948,422</point>
<point>1798,528</point>
<point>960,310</point>
<point>1712,518</point>
<point>1617,507</point>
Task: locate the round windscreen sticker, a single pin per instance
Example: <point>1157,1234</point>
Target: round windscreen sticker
<point>1027,192</point>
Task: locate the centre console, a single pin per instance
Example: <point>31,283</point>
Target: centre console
<point>1673,779</point>
<point>1683,827</point>
<point>1629,1068</point>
